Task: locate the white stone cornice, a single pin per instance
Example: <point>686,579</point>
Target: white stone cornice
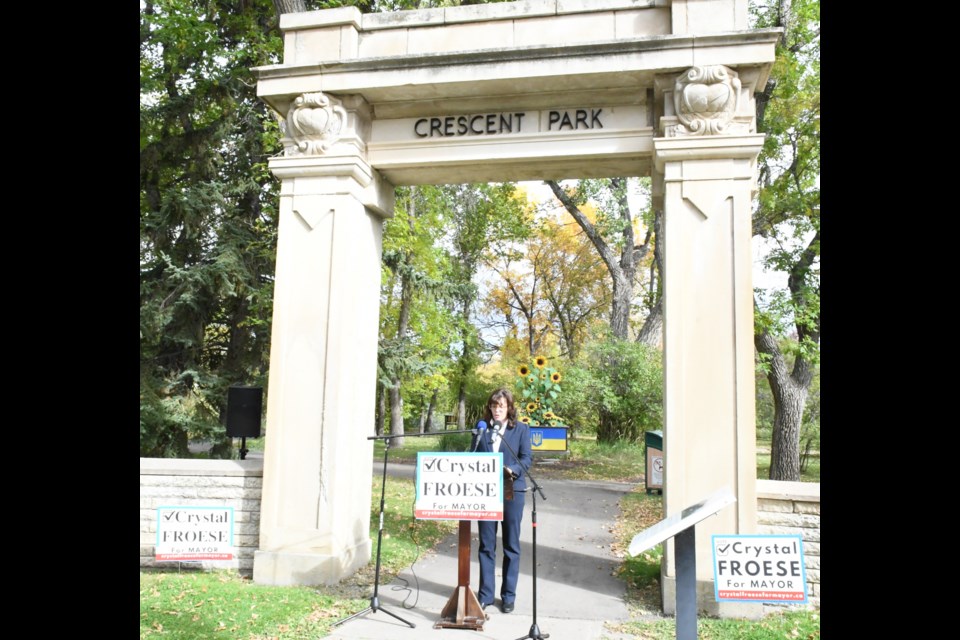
<point>706,167</point>
<point>743,147</point>
<point>597,67</point>
<point>352,166</point>
<point>353,175</point>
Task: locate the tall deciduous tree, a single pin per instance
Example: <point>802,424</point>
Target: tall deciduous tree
<point>486,218</point>
<point>787,217</point>
<point>614,237</point>
<point>553,291</point>
<point>414,326</point>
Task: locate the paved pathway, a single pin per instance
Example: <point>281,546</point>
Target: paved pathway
<point>576,588</point>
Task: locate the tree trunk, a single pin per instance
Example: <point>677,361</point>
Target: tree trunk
<point>381,410</point>
<point>790,388</point>
<point>789,398</point>
<point>430,408</point>
<point>403,323</point>
<point>396,413</point>
<point>289,6</point>
<point>622,270</point>
<point>652,331</point>
<point>620,309</point>
<point>465,366</point>
<point>462,406</point>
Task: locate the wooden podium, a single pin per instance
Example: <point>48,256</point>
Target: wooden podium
<point>463,610</point>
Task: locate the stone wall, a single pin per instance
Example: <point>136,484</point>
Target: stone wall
<point>794,508</point>
<point>188,483</point>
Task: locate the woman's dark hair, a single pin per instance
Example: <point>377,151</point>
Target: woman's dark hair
<point>495,398</point>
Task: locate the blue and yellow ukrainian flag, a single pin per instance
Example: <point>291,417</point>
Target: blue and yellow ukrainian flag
<point>548,438</point>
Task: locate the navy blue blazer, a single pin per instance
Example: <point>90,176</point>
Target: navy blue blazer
<point>517,435</point>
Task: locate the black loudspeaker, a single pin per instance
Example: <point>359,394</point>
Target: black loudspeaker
<point>244,406</point>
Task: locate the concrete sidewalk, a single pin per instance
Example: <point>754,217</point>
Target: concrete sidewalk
<point>576,589</point>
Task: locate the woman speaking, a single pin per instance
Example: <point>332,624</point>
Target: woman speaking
<point>512,439</point>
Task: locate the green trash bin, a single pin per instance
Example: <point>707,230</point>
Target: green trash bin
<point>653,474</point>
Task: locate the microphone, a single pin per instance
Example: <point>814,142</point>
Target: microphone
<point>496,426</point>
<point>478,431</point>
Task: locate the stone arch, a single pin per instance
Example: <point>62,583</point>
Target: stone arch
<point>538,89</point>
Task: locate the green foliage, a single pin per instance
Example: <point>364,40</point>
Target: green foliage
<point>207,214</point>
<point>538,387</point>
<point>455,442</point>
<point>788,205</point>
<point>615,390</point>
<point>787,218</point>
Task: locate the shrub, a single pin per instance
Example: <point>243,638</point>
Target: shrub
<point>616,389</point>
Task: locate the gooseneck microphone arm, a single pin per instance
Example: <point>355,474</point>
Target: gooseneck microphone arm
<point>526,470</point>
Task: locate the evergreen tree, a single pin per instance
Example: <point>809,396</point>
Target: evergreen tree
<point>207,214</point>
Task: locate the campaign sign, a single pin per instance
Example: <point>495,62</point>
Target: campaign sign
<point>459,486</point>
<point>194,533</point>
<point>759,568</point>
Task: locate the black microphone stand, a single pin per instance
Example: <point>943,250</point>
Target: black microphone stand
<point>534,633</point>
<point>375,599</point>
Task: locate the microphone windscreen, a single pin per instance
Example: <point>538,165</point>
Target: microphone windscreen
<point>482,426</point>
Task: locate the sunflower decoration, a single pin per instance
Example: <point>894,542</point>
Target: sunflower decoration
<point>539,387</point>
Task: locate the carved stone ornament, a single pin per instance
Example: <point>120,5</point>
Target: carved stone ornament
<point>313,125</point>
<point>706,101</point>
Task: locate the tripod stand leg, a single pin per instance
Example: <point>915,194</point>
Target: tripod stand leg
<point>375,600</point>
<point>534,633</point>
<point>356,615</point>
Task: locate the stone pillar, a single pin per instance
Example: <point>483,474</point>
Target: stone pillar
<point>315,510</point>
<point>704,181</point>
